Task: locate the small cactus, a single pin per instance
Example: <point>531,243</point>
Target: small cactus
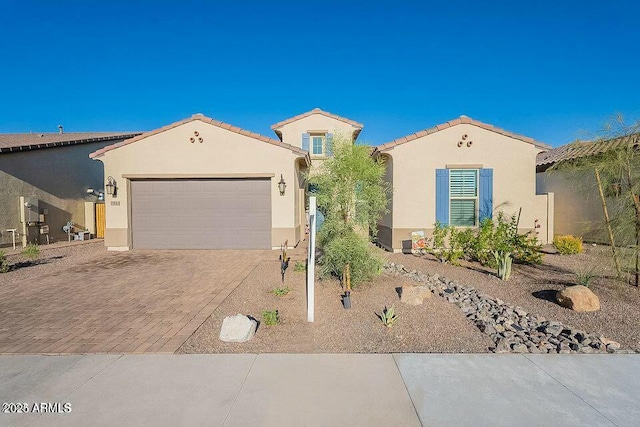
<point>504,260</point>
<point>388,316</point>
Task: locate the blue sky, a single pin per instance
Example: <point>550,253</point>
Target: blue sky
<point>549,70</point>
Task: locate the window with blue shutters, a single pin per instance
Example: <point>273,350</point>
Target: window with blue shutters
<point>463,196</point>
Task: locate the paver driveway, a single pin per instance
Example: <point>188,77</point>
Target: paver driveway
<point>138,301</point>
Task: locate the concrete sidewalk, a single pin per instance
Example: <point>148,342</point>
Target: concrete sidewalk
<point>324,390</point>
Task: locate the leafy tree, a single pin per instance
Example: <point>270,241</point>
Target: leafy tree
<point>615,164</point>
<point>352,194</point>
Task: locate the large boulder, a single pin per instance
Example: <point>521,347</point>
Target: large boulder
<point>238,328</point>
<point>578,298</point>
<point>414,295</point>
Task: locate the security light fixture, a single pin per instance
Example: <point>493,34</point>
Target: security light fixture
<point>282,185</point>
<point>111,187</point>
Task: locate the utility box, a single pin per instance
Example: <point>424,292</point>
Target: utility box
<point>30,212</point>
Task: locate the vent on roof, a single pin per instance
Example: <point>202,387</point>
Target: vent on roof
<point>61,129</point>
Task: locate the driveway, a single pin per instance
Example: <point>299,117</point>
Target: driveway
<point>85,299</point>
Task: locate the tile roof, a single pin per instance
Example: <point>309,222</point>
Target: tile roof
<point>211,121</point>
<point>460,120</point>
<point>579,149</point>
<point>10,142</point>
<point>317,111</point>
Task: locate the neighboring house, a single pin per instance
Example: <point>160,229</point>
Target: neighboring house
<point>459,173</point>
<point>578,207</point>
<point>203,184</point>
<point>50,173</point>
<point>313,131</point>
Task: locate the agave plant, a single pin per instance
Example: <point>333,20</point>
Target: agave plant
<point>388,316</point>
<point>504,260</point>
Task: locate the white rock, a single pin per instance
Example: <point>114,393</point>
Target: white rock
<point>238,328</point>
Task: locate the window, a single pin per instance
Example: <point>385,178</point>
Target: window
<point>463,193</point>
<point>317,145</point>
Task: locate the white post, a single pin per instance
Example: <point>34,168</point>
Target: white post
<point>311,260</point>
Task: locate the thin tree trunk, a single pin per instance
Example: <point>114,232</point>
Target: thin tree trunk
<point>636,205</point>
<point>608,222</point>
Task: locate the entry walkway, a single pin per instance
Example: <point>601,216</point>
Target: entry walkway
<point>324,390</point>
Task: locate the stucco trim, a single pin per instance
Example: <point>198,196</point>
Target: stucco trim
<point>460,120</point>
<point>197,176</point>
<point>210,121</point>
<point>316,111</point>
<point>456,166</point>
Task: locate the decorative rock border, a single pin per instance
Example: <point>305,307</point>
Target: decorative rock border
<point>511,328</point>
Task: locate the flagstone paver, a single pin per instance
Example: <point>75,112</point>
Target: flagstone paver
<point>115,302</point>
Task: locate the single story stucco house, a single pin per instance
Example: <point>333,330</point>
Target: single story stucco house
<point>458,173</point>
<point>44,178</point>
<point>203,184</point>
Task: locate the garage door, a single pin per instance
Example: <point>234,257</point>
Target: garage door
<point>201,214</point>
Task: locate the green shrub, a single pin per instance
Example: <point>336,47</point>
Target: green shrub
<point>270,317</point>
<point>32,251</point>
<point>454,250</point>
<point>4,263</point>
<point>281,291</point>
<point>300,266</point>
<point>568,245</point>
<point>481,246</point>
<point>586,276</point>
<point>347,248</point>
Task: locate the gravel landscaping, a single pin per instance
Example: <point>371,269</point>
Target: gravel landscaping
<point>533,288</point>
<point>471,310</point>
<point>435,326</point>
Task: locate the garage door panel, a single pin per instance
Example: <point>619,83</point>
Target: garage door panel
<point>201,214</point>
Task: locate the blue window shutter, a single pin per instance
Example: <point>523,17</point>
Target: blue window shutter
<point>442,196</point>
<point>485,194</point>
<point>329,143</point>
<point>305,141</point>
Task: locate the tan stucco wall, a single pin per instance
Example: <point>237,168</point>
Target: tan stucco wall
<point>292,132</point>
<point>222,152</point>
<point>578,210</point>
<point>58,177</point>
<point>414,176</point>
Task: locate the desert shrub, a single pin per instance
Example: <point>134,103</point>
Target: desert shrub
<point>271,317</point>
<point>527,249</point>
<point>32,251</point>
<point>568,245</point>
<point>585,276</point>
<point>281,291</point>
<point>300,266</point>
<point>464,239</point>
<point>481,246</point>
<point>4,263</point>
<point>454,251</point>
<point>364,260</point>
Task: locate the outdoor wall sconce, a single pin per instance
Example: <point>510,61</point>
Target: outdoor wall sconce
<point>282,185</point>
<point>111,187</point>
